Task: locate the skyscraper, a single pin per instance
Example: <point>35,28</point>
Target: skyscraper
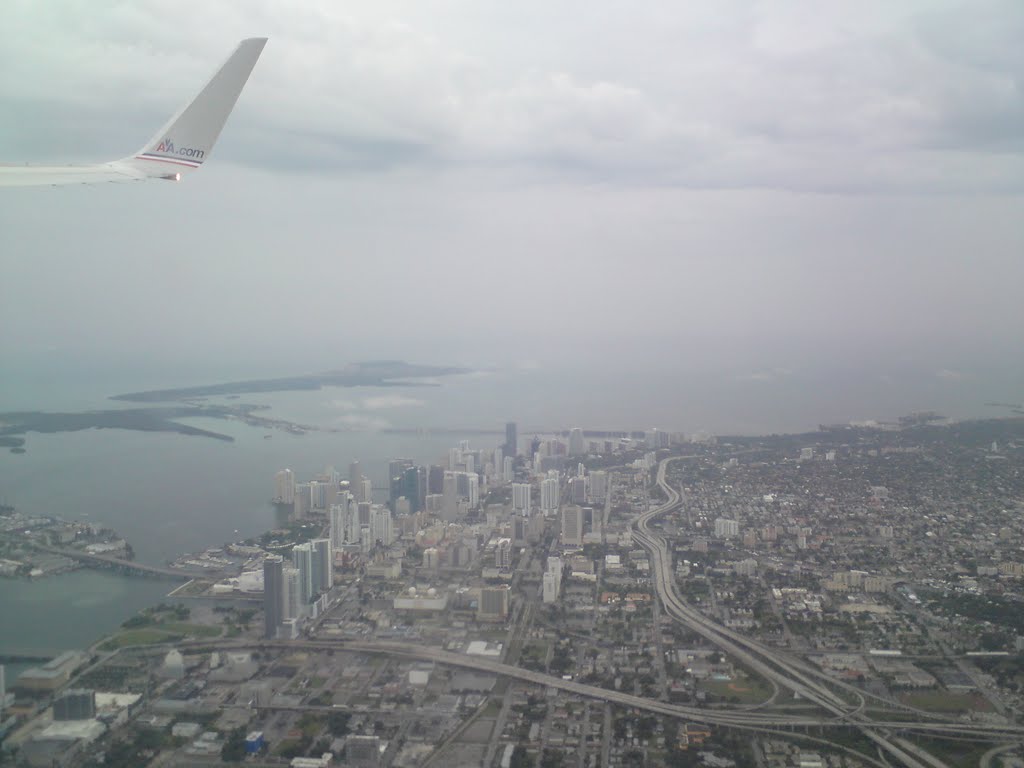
<point>552,585</point>
<point>451,496</point>
<point>355,480</point>
<point>549,494</point>
<point>323,566</point>
<point>499,461</point>
<point>302,559</point>
<point>317,495</point>
<point>396,479</point>
<point>503,554</point>
<point>381,526</point>
<point>291,603</point>
<point>273,595</point>
<point>599,485</point>
<point>572,526</point>
<point>578,490</point>
<point>577,446</point>
<point>414,487</point>
<point>302,504</point>
<point>459,487</point>
<point>550,588</point>
<point>511,439</point>
<point>521,496</point>
<point>284,487</point>
<point>520,530</point>
<point>454,459</point>
<point>340,516</point>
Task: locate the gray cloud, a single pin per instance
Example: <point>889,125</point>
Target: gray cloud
<point>735,185</point>
<point>914,97</point>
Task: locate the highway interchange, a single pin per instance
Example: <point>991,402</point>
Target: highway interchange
<point>802,679</point>
<point>843,707</point>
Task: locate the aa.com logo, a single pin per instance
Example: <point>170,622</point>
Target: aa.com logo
<point>167,147</point>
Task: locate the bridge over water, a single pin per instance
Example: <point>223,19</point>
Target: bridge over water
<point>132,567</point>
<point>27,655</point>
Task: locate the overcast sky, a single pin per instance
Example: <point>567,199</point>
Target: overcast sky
<point>481,181</point>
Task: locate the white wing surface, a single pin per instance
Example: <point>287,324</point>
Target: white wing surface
<point>182,145</point>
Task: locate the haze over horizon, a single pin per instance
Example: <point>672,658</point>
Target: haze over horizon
<point>726,187</point>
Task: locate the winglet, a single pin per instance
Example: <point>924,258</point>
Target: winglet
<point>187,139</point>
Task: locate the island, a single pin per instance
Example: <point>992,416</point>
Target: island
<point>380,373</point>
<point>191,405</point>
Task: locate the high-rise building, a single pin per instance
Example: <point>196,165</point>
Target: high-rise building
<point>284,487</point>
<point>451,496</point>
<point>503,554</point>
<point>381,526</point>
<point>454,460</point>
<point>302,559</point>
<point>508,470</point>
<point>599,486</point>
<point>396,479</point>
<point>431,558</point>
<point>363,511</point>
<point>520,530</point>
<point>323,566</point>
<point>578,489</point>
<point>291,602</point>
<point>511,439</point>
<point>355,480</point>
<point>572,526</point>
<point>367,490</point>
<point>317,495</point>
<point>301,506</point>
<point>550,588</point>
<point>499,461</point>
<point>352,524</point>
<point>435,479</point>
<point>555,567</point>
<point>273,595</point>
<point>461,493</point>
<point>521,496</point>
<point>414,487</point>
<point>577,446</point>
<point>341,514</point>
<point>549,494</point>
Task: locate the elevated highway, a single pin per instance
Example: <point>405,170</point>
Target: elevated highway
<point>789,672</point>
<point>130,566</point>
<point>744,719</point>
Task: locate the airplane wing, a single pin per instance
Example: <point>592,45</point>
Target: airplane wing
<point>182,145</point>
